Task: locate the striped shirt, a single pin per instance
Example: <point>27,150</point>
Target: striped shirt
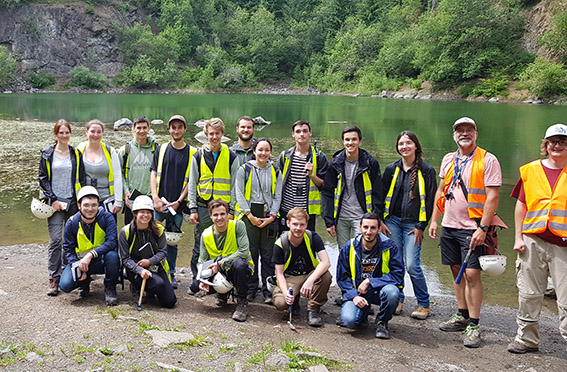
<point>296,187</point>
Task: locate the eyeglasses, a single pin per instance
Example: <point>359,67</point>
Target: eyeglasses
<point>561,142</point>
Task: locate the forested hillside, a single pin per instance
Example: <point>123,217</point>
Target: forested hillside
<point>363,46</point>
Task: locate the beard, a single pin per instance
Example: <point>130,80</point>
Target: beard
<point>244,138</point>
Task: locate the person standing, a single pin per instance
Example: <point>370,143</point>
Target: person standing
<point>353,186</point>
<point>541,238</point>
<point>303,170</point>
<point>135,160</point>
<point>168,180</point>
<point>468,197</point>
<point>61,176</point>
<point>409,186</point>
<point>243,148</point>
<point>258,194</point>
<point>102,167</point>
<point>213,176</point>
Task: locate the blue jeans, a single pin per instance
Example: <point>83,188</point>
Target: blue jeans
<point>412,257</point>
<point>172,223</point>
<point>107,264</point>
<point>386,297</point>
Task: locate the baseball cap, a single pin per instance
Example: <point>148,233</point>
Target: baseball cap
<point>177,117</point>
<point>464,120</point>
<point>556,130</point>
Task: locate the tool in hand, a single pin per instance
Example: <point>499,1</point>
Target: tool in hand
<point>291,326</point>
<point>463,267</point>
<point>142,294</point>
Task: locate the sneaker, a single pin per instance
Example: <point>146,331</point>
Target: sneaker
<point>472,336</point>
<point>110,296</point>
<point>84,288</point>
<point>221,299</point>
<point>174,283</point>
<point>516,347</point>
<point>314,319</point>
<point>456,323</point>
<point>268,300</point>
<point>241,312</point>
<point>421,313</point>
<point>399,308</point>
<point>382,331</point>
<point>53,288</point>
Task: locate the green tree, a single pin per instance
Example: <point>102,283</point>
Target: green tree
<point>556,39</point>
<point>83,77</point>
<point>544,78</point>
<point>7,67</point>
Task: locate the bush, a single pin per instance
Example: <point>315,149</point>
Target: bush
<point>144,75</point>
<point>85,78</point>
<point>40,79</point>
<point>496,85</point>
<point>544,78</point>
<point>7,67</point>
<point>372,81</point>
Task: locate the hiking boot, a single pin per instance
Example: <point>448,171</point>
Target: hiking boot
<point>399,308</point>
<point>174,283</point>
<point>221,298</point>
<point>314,319</point>
<point>472,336</point>
<point>516,347</point>
<point>241,312</point>
<point>250,297</point>
<point>421,313</point>
<point>382,331</point>
<point>456,323</point>
<point>53,289</point>
<point>84,288</point>
<point>110,296</point>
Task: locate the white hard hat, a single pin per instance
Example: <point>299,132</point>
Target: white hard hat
<point>493,265</point>
<point>143,202</point>
<point>221,284</point>
<point>271,283</point>
<point>173,238</point>
<point>40,209</point>
<point>87,191</point>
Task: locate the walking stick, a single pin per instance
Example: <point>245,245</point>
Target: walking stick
<point>142,294</point>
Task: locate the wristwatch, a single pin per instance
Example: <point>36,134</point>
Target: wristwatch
<point>484,228</point>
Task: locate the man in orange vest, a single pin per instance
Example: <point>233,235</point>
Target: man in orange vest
<point>468,197</point>
<point>541,237</point>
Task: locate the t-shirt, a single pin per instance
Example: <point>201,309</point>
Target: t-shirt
<point>61,183</point>
<point>518,193</point>
<point>300,263</point>
<point>350,207</point>
<point>173,172</point>
<point>296,188</point>
<point>456,209</point>
<point>368,260</point>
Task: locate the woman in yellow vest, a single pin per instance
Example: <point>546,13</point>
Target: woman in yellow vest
<point>143,249</point>
<point>102,167</point>
<point>409,186</point>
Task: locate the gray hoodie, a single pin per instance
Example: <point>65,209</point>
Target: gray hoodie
<point>261,191</point>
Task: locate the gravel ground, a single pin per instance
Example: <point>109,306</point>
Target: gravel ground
<point>68,333</point>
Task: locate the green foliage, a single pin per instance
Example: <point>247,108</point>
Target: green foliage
<point>40,79</point>
<point>496,85</point>
<point>7,67</point>
<point>544,78</point>
<point>83,77</point>
<point>556,39</point>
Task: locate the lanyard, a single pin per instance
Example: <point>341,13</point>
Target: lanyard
<point>457,170</point>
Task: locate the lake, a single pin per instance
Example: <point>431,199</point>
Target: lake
<point>513,132</point>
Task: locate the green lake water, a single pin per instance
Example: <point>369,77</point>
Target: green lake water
<point>512,132</point>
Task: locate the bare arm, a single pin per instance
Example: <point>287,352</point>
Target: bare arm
<point>490,206</point>
<point>519,214</point>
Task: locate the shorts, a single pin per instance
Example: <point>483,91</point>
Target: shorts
<point>455,246</point>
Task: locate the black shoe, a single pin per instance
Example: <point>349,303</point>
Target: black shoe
<point>241,312</point>
<point>110,296</point>
<point>221,299</point>
<point>382,331</point>
<point>251,296</point>
<point>174,283</point>
<point>84,288</point>
<point>314,319</point>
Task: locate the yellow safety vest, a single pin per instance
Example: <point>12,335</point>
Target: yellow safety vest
<point>77,183</point>
<point>84,245</point>
<point>352,262</point>
<point>164,263</point>
<point>421,186</point>
<point>314,205</point>
<point>230,244</point>
<point>215,184</point>
<point>248,185</point>
<point>107,151</point>
<point>159,169</point>
<point>307,235</point>
<point>367,192</point>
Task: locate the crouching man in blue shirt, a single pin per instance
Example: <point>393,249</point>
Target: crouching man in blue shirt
<point>370,270</point>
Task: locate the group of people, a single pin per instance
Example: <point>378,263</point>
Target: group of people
<point>255,221</point>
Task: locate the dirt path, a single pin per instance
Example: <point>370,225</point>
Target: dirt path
<point>73,334</point>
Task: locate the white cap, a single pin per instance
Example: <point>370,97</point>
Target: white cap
<point>464,120</point>
<point>556,130</point>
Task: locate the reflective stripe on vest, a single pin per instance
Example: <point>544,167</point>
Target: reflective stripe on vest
<point>314,205</point>
<point>84,245</point>
<point>352,262</point>
<point>546,208</point>
<point>421,187</point>
<point>248,185</point>
<point>77,182</point>
<point>215,184</point>
<point>285,246</point>
<point>367,192</point>
<point>159,169</point>
<point>164,263</point>
<point>230,243</point>
<point>107,151</point>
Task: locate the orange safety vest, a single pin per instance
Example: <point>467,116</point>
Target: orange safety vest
<point>476,192</point>
<point>546,208</point>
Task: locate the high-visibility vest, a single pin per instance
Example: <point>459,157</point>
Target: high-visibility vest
<point>367,192</point>
<point>107,151</point>
<point>314,205</point>
<point>546,208</point>
<point>421,187</point>
<point>77,182</point>
<point>476,192</point>
<point>164,263</point>
<point>215,184</point>
<point>248,184</point>
<point>230,244</point>
<point>84,245</point>
<point>385,267</point>
<point>159,169</point>
<point>283,243</point>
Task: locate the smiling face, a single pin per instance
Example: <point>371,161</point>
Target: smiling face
<point>214,136</point>
<point>141,130</point>
<point>297,227</point>
<point>369,229</point>
<point>89,207</point>
<point>406,147</point>
<point>94,133</point>
<point>143,217</point>
<point>557,147</point>
<point>63,135</point>
<point>465,135</point>
<point>351,141</point>
<point>219,216</point>
<point>263,150</point>
<point>301,134</point>
<point>177,130</point>
<point>245,130</point>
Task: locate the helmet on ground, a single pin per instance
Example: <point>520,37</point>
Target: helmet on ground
<point>87,191</point>
<point>221,284</point>
<point>40,209</point>
<point>271,283</point>
<point>173,238</point>
<point>143,202</point>
<point>493,265</point>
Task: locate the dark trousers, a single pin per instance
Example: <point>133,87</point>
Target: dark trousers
<point>158,284</point>
<point>128,216</point>
<point>107,264</point>
<point>238,274</point>
<point>204,222</point>
<point>261,248</point>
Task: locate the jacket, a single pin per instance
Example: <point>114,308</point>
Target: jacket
<point>243,155</point>
<point>395,276</point>
<point>410,207</point>
<point>366,162</point>
<point>128,244</point>
<point>45,173</point>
